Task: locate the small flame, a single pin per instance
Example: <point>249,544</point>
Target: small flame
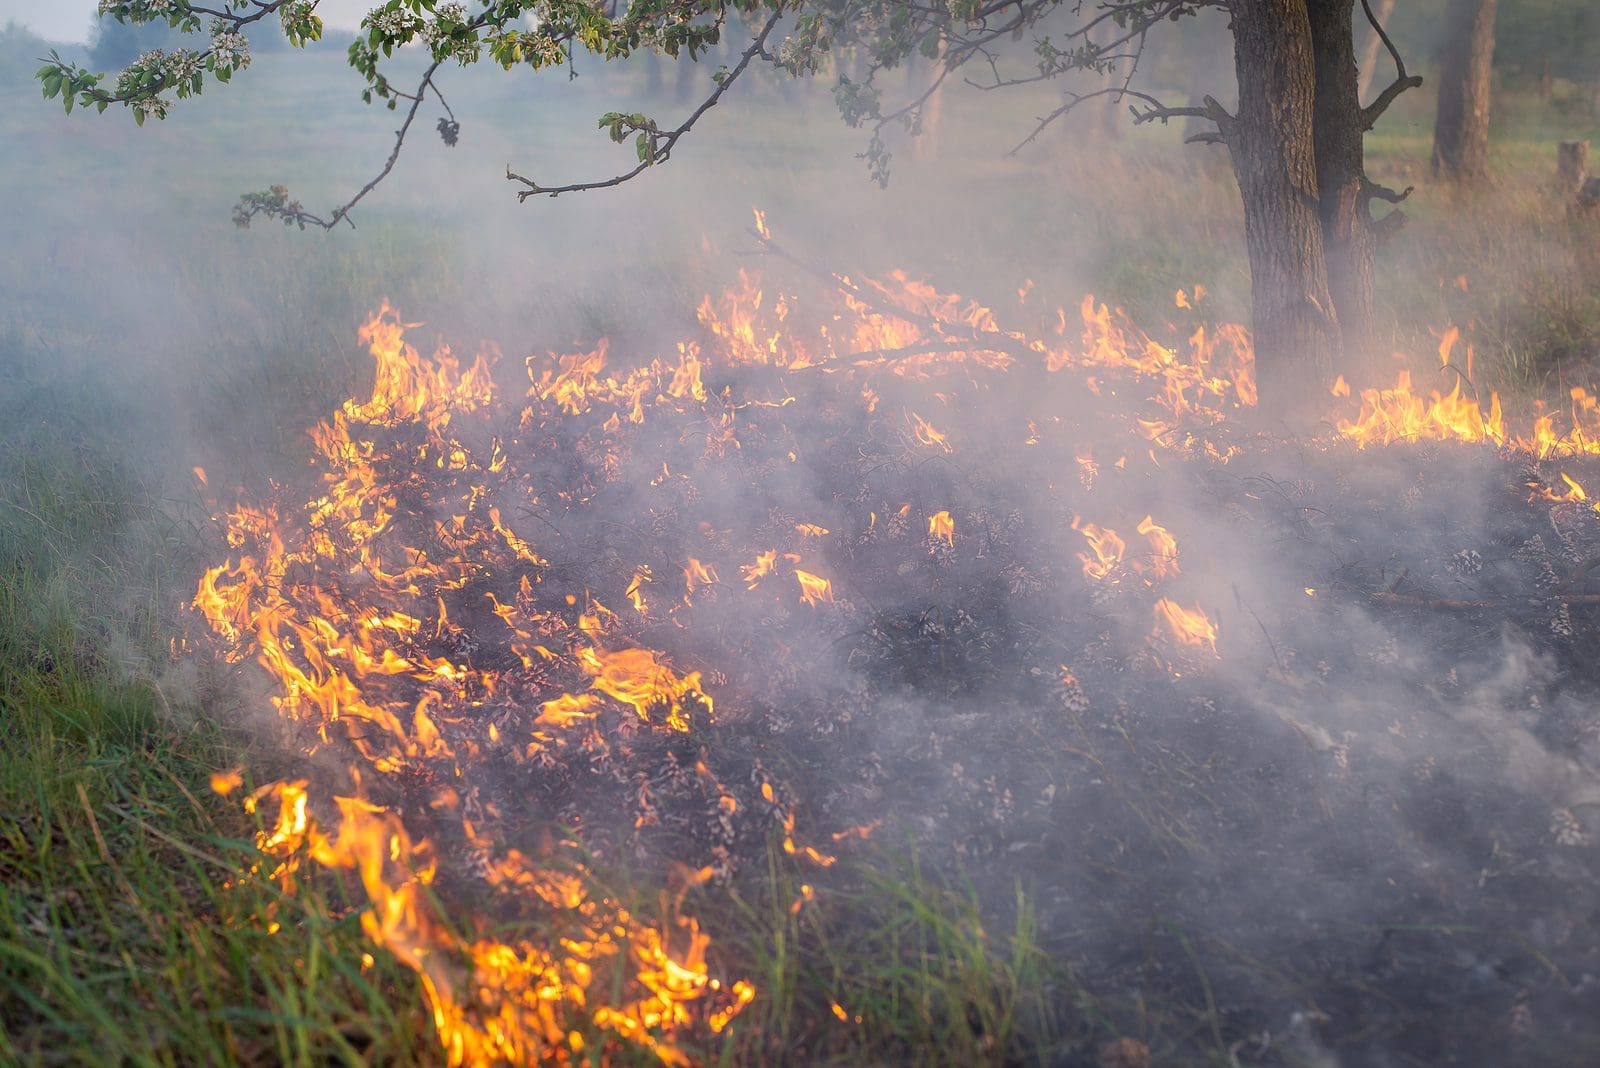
<point>814,589</point>
<point>1190,626</point>
<point>1106,549</point>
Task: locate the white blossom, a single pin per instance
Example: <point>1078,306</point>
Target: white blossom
<point>397,24</point>
<point>295,14</point>
<point>229,49</point>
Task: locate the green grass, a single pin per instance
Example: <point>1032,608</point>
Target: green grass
<point>133,928</point>
<point>892,965</point>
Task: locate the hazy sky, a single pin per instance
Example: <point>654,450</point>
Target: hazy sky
<point>69,20</point>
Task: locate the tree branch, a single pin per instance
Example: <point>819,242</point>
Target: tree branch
<point>660,144</point>
<point>1374,111</point>
<point>1373,191</point>
<point>1377,27</point>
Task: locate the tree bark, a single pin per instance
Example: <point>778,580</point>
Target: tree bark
<point>1461,130</point>
<point>1270,140</point>
<point>1349,243</point>
<point>1367,68</point>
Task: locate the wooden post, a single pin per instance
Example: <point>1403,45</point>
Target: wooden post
<point>1572,166</point>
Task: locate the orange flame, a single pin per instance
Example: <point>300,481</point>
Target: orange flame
<point>1190,626</point>
<point>814,589</point>
<point>1105,546</point>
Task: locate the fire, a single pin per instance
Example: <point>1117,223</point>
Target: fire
<point>925,432</point>
<point>224,783</point>
<point>432,600</point>
<point>1163,558</point>
<point>1106,549</point>
<point>1400,414</point>
<point>1189,626</point>
<point>765,564</point>
<point>814,589</point>
<point>698,574</point>
<point>1574,492</point>
<point>637,677</point>
<point>334,599</point>
<point>634,592</point>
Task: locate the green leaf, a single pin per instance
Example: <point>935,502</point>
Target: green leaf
<point>138,117</point>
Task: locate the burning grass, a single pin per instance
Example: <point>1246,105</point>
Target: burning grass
<point>719,617</point>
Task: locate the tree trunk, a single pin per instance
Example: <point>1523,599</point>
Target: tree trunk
<point>1368,67</point>
<point>1572,166</point>
<point>1461,131</point>
<point>1270,140</point>
<point>1349,242</point>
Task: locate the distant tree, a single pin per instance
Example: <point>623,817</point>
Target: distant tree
<point>113,45</point>
<point>1295,138</point>
<point>1556,37</point>
<point>1461,129</point>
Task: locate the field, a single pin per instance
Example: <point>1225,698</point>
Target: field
<point>142,336</point>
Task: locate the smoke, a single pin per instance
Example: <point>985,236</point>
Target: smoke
<point>1360,832</point>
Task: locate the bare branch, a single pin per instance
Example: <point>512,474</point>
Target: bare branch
<point>1374,111</point>
<point>1377,27</point>
<point>1373,191</point>
<point>661,144</point>
<point>292,213</point>
<point>394,154</point>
